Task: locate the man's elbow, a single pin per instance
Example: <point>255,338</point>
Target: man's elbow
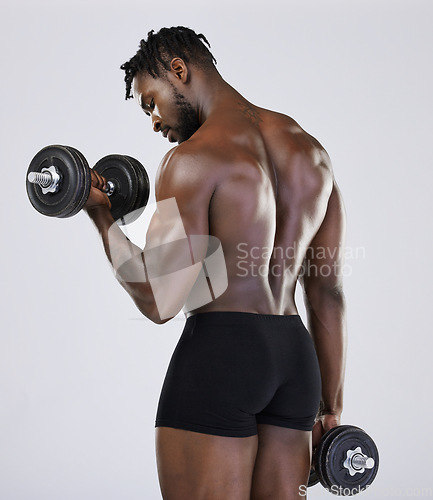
<point>158,321</point>
<point>327,294</point>
<point>152,312</point>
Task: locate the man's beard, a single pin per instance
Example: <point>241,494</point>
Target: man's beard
<point>188,122</point>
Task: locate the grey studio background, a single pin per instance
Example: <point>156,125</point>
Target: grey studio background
<point>80,370</point>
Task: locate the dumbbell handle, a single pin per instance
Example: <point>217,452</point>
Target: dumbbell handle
<point>363,461</point>
<point>49,180</point>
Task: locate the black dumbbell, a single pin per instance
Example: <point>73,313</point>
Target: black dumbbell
<point>59,182</point>
<point>345,461</point>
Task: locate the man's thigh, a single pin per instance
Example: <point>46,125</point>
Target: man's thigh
<point>282,464</point>
<point>196,466</point>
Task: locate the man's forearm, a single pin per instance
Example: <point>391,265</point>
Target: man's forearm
<point>127,262</point>
<point>327,325</point>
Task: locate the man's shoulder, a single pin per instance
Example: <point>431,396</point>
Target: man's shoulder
<point>284,130</point>
<point>187,167</point>
<point>209,149</point>
<point>301,162</point>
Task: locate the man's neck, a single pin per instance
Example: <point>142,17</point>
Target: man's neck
<point>213,93</point>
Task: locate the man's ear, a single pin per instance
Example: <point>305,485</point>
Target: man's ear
<point>179,69</point>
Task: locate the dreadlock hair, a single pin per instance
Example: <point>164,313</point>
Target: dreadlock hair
<point>160,48</point>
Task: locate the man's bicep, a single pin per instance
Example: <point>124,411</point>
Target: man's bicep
<point>324,260</point>
<point>181,180</point>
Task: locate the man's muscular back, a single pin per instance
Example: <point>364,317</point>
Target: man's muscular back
<point>262,185</point>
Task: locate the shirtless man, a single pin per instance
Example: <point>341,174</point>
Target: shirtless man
<point>243,388</point>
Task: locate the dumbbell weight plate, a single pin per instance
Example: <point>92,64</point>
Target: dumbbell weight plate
<point>87,181</point>
<point>120,170</point>
<point>74,184</point>
<point>321,450</point>
<point>313,478</point>
<point>143,189</point>
<point>333,470</point>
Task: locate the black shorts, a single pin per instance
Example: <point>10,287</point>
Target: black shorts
<point>233,370</point>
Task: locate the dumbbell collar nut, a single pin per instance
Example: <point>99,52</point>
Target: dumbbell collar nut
<point>48,179</point>
<point>357,462</point>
